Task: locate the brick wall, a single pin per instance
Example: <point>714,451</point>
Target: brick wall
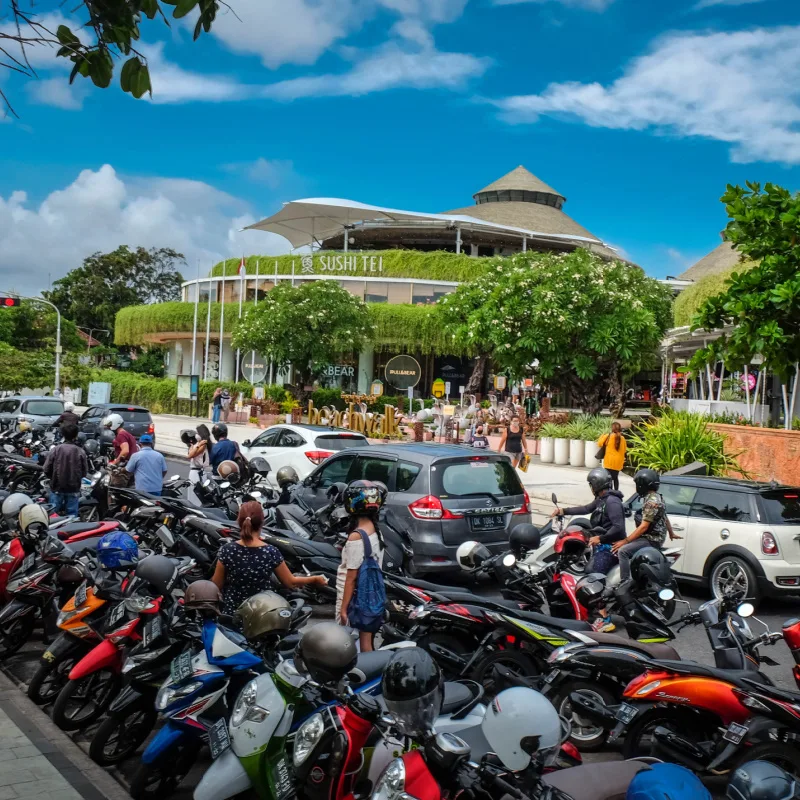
<point>767,453</point>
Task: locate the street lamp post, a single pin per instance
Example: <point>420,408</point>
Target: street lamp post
<point>58,335</point>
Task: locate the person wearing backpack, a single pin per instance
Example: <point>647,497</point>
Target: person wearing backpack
<point>360,592</point>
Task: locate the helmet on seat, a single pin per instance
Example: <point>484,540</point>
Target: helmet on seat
<point>117,550</point>
<point>761,780</point>
<point>159,572</point>
<point>326,652</point>
<point>202,596</point>
<point>599,479</point>
<point>259,466</point>
<point>33,521</point>
<point>589,589</point>
<point>650,565</point>
<point>264,613</point>
<point>286,476</point>
<point>113,421</point>
<point>229,471</point>
<point>667,782</point>
<point>472,555</point>
<point>646,481</point>
<point>12,506</point>
<point>413,688</point>
<point>524,539</point>
<point>519,723</point>
<point>364,497</point>
<point>23,426</point>
<point>92,447</point>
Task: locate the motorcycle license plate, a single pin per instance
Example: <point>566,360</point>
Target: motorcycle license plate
<point>80,595</point>
<point>487,522</point>
<point>218,739</point>
<point>735,733</point>
<point>551,676</point>
<point>181,667</point>
<point>626,713</point>
<point>116,614</point>
<point>28,562</point>
<point>282,777</point>
<point>151,631</point>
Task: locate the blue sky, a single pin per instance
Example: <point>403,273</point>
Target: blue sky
<point>638,111</point>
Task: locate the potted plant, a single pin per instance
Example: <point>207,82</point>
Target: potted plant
<point>548,434</point>
<point>577,431</point>
<point>289,407</point>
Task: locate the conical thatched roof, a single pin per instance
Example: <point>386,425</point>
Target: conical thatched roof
<point>520,179</point>
<point>721,259</point>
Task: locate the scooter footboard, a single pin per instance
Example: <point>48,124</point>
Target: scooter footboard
<point>226,777</point>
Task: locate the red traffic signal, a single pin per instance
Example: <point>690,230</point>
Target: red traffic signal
<point>9,302</point>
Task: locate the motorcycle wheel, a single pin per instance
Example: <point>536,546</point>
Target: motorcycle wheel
<point>586,735</point>
<point>14,635</point>
<point>784,755</point>
<point>89,514</point>
<point>120,735</point>
<point>159,780</point>
<point>85,700</point>
<point>519,663</point>
<point>49,680</point>
<point>639,737</point>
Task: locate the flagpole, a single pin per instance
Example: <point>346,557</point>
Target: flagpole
<point>208,323</point>
<point>272,376</point>
<point>222,317</point>
<point>194,325</point>
<point>255,303</point>
<point>242,273</point>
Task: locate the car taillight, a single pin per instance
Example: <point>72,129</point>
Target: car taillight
<point>318,456</point>
<point>152,428</point>
<point>431,507</point>
<point>525,509</point>
<point>769,545</point>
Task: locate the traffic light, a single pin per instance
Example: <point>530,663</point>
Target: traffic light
<point>9,302</point>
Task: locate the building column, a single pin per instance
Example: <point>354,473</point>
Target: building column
<point>366,366</point>
<point>473,250</point>
<point>458,238</point>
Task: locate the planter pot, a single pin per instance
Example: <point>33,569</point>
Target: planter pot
<point>577,452</point>
<point>428,436</point>
<point>546,449</point>
<point>589,460</point>
<point>561,452</point>
<point>533,447</point>
<point>288,418</point>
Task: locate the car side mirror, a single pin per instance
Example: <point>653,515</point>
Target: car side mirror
<point>627,511</point>
<point>247,443</point>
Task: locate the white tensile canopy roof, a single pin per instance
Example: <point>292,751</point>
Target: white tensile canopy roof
<point>312,221</point>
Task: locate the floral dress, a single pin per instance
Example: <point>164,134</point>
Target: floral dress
<point>248,571</point>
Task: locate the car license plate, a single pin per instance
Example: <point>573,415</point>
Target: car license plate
<point>487,522</point>
<point>626,713</point>
<point>116,614</point>
<point>181,667</point>
<point>218,739</point>
<point>284,785</point>
<point>80,595</point>
<point>735,733</point>
<point>151,631</point>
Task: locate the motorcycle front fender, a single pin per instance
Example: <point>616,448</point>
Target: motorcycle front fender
<point>167,738</point>
<point>105,656</point>
<point>63,646</point>
<point>126,697</point>
<point>15,610</point>
<point>226,777</point>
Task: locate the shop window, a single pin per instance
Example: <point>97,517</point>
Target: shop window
<point>204,289</point>
<point>376,292</point>
<point>232,290</point>
<point>485,250</point>
<point>425,294</point>
<point>356,288</point>
<point>190,293</point>
<point>399,292</point>
<point>263,288</point>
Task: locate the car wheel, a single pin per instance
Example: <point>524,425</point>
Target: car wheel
<point>734,576</point>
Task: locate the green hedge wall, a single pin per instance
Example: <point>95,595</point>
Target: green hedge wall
<point>435,266</point>
<point>688,302</point>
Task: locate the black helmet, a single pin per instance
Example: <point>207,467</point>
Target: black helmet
<point>649,565</point>
<point>412,688</point>
<point>364,497</point>
<point>599,479</point>
<point>159,572</point>
<point>219,430</point>
<point>589,589</point>
<point>189,436</point>
<point>107,437</point>
<point>646,481</point>
<point>259,466</point>
<point>92,447</point>
<point>524,539</point>
<point>203,596</point>
<point>286,476</point>
<point>326,652</point>
<point>761,780</point>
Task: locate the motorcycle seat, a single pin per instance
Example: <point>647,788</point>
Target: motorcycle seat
<point>606,781</point>
<point>661,652</point>
<point>369,666</point>
<point>217,513</point>
<point>456,696</point>
<point>743,678</point>
<point>553,622</point>
<point>77,528</point>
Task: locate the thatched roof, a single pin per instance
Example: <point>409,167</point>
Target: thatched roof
<point>721,259</point>
<point>520,179</point>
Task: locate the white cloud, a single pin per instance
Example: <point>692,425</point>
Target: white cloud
<point>591,5</point>
<point>101,210</point>
<point>709,3</point>
<point>740,87</point>
<point>58,92</point>
<point>273,173</point>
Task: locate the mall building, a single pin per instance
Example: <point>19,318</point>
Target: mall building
<point>399,262</point>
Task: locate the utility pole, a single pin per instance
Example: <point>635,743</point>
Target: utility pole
<point>4,301</point>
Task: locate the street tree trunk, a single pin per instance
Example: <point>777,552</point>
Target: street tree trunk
<point>475,382</point>
<point>588,395</point>
<point>616,387</point>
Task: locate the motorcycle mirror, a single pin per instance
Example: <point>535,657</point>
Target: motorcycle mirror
<point>509,559</point>
<point>554,499</point>
<point>746,610</point>
<point>175,478</point>
<point>225,485</point>
<point>246,443</point>
<point>666,594</point>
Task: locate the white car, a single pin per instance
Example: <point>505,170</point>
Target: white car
<point>303,447</point>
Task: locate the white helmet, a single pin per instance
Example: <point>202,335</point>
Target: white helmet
<point>520,722</point>
<point>12,505</point>
<point>69,406</point>
<point>113,421</point>
<point>472,555</point>
<point>33,520</point>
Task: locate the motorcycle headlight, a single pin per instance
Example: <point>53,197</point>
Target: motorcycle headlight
<point>392,783</point>
<point>169,694</point>
<point>246,708</point>
<point>138,604</point>
<point>563,653</point>
<point>420,612</point>
<point>306,738</point>
<point>131,662</point>
<point>7,557</point>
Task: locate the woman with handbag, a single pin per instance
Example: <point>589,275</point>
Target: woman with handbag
<point>612,452</point>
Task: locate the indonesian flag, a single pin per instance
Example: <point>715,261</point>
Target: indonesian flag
<point>242,268</point>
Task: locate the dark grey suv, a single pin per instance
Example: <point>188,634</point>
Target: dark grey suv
<point>440,495</point>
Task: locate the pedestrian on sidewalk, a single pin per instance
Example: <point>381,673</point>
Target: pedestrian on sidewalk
<point>65,468</point>
<point>479,439</point>
<point>225,399</point>
<point>614,447</point>
<point>148,467</point>
<point>512,442</point>
<point>216,404</point>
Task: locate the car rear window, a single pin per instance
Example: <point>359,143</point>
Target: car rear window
<point>133,416</point>
<point>336,442</point>
<point>475,477</point>
<point>44,407</point>
<point>782,507</point>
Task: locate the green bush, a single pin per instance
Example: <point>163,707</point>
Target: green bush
<point>552,431</point>
<point>688,302</point>
<point>328,397</point>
